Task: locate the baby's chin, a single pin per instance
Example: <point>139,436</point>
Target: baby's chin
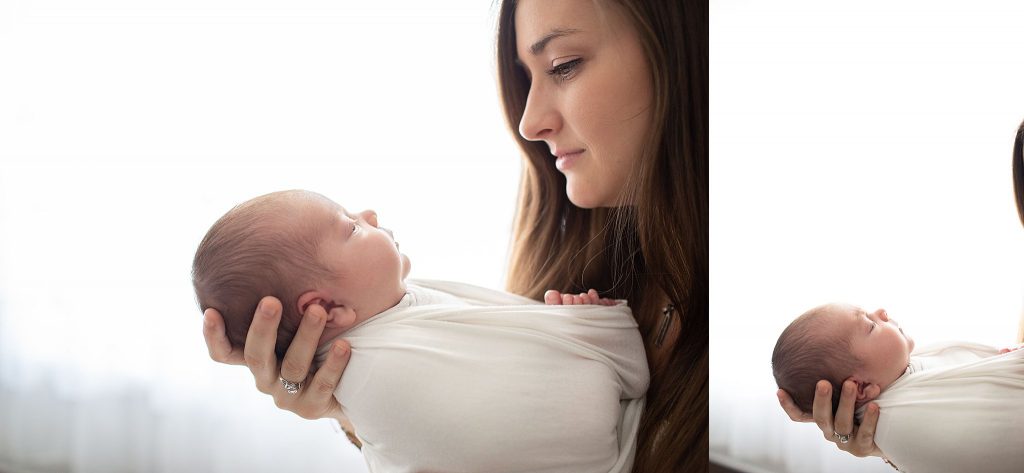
<point>909,342</point>
<point>406,265</point>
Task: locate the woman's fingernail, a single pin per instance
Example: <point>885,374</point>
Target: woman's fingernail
<point>823,389</point>
<point>339,348</point>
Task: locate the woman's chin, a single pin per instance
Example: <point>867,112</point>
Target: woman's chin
<point>580,196</point>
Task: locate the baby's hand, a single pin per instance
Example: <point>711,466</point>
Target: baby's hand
<point>553,297</point>
<point>1004,350</point>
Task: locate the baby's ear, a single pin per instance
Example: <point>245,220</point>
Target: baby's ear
<point>340,316</point>
<point>865,391</point>
<point>309,298</point>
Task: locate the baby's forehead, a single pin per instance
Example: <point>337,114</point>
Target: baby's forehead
<point>827,320</point>
<point>835,311</point>
<point>305,212</point>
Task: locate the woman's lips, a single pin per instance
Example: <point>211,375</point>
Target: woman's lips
<point>565,161</point>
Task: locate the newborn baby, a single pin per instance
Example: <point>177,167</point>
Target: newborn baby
<point>443,376</point>
<point>950,408</point>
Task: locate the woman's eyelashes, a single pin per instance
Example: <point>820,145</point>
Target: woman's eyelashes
<point>566,70</point>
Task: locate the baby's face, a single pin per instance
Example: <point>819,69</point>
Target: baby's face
<point>368,268</point>
<point>877,341</point>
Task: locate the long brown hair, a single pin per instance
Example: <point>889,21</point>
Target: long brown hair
<point>1018,191</point>
<point>1018,171</point>
<point>643,252</point>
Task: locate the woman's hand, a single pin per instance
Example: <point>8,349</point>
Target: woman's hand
<point>861,439</point>
<point>315,399</point>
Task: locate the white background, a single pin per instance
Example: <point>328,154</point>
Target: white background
<point>861,152</point>
<point>127,128</point>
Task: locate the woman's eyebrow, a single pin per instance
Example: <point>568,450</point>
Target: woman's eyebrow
<point>542,43</point>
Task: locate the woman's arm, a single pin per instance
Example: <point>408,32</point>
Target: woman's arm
<point>315,399</point>
<point>861,439</point>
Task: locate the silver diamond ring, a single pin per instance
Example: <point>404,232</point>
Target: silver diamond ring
<point>292,387</point>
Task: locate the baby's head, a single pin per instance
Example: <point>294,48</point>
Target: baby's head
<point>304,249</point>
<point>836,342</point>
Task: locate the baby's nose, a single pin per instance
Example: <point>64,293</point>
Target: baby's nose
<point>370,216</point>
<point>882,315</point>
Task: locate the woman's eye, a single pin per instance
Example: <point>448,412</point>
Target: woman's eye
<point>565,70</point>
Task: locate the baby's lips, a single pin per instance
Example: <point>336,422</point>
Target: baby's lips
<point>390,234</point>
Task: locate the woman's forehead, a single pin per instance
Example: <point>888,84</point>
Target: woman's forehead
<point>535,20</point>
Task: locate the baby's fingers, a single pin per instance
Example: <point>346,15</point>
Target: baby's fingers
<point>552,297</point>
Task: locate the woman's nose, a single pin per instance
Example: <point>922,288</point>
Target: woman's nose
<point>539,120</point>
<point>369,216</point>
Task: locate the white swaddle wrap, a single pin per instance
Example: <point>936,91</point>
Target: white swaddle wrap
<point>462,378</point>
<point>960,408</point>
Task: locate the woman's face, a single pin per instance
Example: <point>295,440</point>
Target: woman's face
<point>590,93</point>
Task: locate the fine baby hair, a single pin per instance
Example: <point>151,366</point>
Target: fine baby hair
<point>808,351</point>
<point>262,247</point>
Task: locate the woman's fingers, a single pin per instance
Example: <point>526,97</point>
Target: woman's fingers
<point>217,342</point>
<point>297,359</point>
<point>822,409</point>
<point>318,400</point>
<point>844,415</point>
<point>863,444</point>
<point>862,440</point>
<point>794,412</point>
<point>260,342</point>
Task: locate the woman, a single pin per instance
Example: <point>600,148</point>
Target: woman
<point>609,104</point>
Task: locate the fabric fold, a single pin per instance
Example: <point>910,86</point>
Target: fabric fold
<point>961,409</point>
<point>463,378</point>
